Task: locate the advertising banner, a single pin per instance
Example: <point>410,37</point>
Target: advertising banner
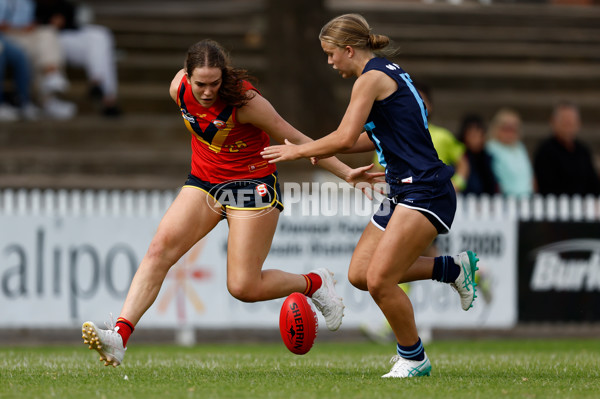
<point>494,241</point>
<point>559,272</point>
<point>58,270</point>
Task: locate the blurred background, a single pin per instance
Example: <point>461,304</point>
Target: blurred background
<point>475,57</point>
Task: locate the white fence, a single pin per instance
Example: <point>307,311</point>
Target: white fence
<point>68,256</point>
<point>85,202</point>
<point>154,203</point>
<point>536,207</point>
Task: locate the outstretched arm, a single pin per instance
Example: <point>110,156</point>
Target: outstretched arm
<point>363,144</point>
<point>260,113</point>
<point>365,91</point>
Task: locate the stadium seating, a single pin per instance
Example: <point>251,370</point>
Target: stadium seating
<point>475,57</point>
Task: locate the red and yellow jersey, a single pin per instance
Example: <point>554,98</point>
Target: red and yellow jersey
<point>222,148</point>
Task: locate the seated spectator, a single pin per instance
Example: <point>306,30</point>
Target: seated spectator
<point>11,55</point>
<point>510,161</point>
<point>563,164</point>
<point>481,178</point>
<point>87,46</point>
<point>17,22</point>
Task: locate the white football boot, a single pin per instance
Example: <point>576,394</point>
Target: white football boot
<point>108,343</point>
<point>404,368</point>
<point>465,282</point>
<point>327,301</point>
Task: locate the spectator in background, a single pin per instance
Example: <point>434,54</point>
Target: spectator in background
<point>17,22</point>
<point>563,164</point>
<point>11,55</point>
<point>481,178</point>
<point>87,46</point>
<point>449,149</point>
<point>510,161</point>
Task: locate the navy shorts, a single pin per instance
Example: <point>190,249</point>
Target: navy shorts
<point>247,194</point>
<point>437,203</point>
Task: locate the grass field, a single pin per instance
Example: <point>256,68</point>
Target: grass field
<point>466,370</point>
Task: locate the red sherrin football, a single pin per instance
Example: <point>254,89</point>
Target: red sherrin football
<point>298,324</point>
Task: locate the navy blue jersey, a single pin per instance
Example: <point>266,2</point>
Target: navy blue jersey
<point>398,127</point>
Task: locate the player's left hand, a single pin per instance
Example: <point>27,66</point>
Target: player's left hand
<point>366,181</point>
<point>282,152</point>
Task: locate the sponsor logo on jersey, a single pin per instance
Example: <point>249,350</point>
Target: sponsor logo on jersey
<point>407,180</point>
<point>257,166</point>
<point>571,265</point>
<point>219,124</point>
<point>187,116</point>
<point>262,189</point>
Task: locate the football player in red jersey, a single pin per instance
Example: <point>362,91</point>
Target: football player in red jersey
<point>231,123</point>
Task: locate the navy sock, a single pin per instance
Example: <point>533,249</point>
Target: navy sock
<point>413,352</point>
<point>444,269</point>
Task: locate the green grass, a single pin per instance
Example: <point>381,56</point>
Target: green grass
<point>466,370</point>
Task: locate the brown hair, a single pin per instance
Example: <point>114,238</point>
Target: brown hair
<point>352,30</point>
<point>208,53</point>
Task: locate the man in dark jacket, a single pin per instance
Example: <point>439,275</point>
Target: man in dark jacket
<point>563,164</point>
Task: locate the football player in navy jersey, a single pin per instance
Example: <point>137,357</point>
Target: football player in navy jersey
<point>386,114</point>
